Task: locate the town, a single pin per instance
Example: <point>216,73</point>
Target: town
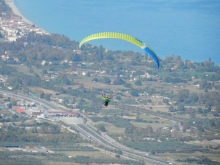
<point>13,27</point>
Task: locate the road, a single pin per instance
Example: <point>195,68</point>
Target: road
<point>100,139</point>
<point>108,143</point>
<point>29,98</point>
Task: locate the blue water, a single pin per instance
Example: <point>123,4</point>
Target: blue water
<point>188,28</point>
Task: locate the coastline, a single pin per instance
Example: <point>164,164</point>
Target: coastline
<point>16,11</point>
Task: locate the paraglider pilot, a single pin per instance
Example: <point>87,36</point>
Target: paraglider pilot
<point>106,100</point>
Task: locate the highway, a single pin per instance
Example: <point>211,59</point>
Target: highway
<point>41,102</point>
<point>101,139</point>
<point>113,145</point>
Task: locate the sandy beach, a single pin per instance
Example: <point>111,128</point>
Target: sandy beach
<point>16,11</point>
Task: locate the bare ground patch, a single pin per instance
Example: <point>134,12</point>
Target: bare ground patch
<point>111,129</point>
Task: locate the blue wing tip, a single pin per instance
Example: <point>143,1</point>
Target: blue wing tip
<point>153,55</point>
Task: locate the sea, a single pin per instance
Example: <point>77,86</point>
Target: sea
<point>186,28</point>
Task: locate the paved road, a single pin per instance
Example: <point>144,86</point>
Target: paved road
<point>42,102</point>
<point>110,144</point>
<point>102,140</point>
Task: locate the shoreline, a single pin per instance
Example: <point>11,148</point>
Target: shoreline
<point>16,11</point>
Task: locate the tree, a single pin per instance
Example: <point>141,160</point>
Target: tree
<point>119,152</point>
<point>138,82</point>
<point>95,79</point>
<point>218,108</point>
<point>152,152</point>
<point>203,84</point>
<point>118,98</point>
<point>181,108</point>
<point>10,105</point>
<point>149,129</point>
<point>134,92</point>
<point>1,36</point>
<point>166,101</point>
<point>171,108</point>
<point>182,95</point>
<point>101,127</point>
<point>47,97</point>
<point>127,85</point>
<point>118,81</point>
<point>194,97</point>
<point>117,156</point>
<point>106,80</point>
<point>14,117</point>
<point>192,114</point>
<point>44,71</point>
<point>41,94</point>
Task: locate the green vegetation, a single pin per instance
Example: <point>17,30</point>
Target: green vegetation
<point>4,7</point>
<point>156,110</point>
<point>52,134</point>
<point>161,147</point>
<point>199,160</point>
<point>24,158</point>
<point>117,121</point>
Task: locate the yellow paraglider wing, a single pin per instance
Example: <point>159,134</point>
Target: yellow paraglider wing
<point>112,35</point>
<point>125,37</point>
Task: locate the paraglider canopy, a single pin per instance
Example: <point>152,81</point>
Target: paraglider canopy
<point>125,37</point>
